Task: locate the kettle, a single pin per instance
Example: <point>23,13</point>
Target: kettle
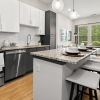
<point>6,43</point>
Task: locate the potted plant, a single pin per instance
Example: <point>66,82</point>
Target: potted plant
<point>39,42</point>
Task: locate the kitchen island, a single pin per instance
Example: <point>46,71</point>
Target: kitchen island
<point>51,68</point>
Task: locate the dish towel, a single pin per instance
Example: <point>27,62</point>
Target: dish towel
<point>1,61</point>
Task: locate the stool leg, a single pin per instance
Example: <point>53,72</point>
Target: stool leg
<point>99,84</point>
<point>90,94</point>
<point>77,90</point>
<point>82,92</point>
<point>95,93</point>
<point>71,92</point>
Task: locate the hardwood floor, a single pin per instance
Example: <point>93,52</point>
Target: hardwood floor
<point>21,89</point>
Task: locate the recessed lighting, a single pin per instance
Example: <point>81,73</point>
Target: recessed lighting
<point>69,9</point>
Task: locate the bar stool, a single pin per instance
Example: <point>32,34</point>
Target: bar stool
<point>86,79</point>
<point>92,66</point>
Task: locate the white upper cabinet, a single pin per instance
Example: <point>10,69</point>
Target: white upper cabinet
<point>9,16</point>
<point>35,14</point>
<point>33,17</point>
<point>42,23</point>
<point>25,14</point>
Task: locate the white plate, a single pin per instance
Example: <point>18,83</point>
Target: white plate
<point>82,48</point>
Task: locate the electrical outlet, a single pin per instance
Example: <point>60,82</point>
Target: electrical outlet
<point>37,67</point>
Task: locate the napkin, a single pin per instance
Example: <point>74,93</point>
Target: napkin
<point>1,61</point>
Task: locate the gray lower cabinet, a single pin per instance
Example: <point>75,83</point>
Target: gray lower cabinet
<point>29,59</point>
<point>40,48</point>
<point>47,48</point>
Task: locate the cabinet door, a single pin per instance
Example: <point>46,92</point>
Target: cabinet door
<point>9,16</point>
<point>40,48</point>
<point>42,23</point>
<point>47,48</point>
<point>29,59</point>
<point>52,42</point>
<point>34,17</point>
<point>25,11</point>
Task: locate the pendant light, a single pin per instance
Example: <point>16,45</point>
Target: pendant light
<point>57,5</point>
<point>73,14</point>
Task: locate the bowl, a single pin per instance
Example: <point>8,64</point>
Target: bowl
<point>72,49</point>
<point>13,44</point>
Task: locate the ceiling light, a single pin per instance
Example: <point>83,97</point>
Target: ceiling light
<point>57,5</point>
<point>73,14</point>
<point>69,9</point>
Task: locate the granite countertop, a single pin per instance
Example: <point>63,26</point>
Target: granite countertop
<point>56,54</point>
<point>22,47</point>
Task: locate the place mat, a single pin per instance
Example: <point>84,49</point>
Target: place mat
<point>71,55</point>
<point>83,50</point>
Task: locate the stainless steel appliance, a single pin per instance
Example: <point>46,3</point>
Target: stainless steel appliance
<point>15,64</point>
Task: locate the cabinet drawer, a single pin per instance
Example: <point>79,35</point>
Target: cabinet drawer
<point>40,48</point>
<point>31,50</point>
<point>47,48</point>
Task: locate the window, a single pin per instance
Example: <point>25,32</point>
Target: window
<point>96,35</point>
<point>89,34</point>
<point>83,34</point>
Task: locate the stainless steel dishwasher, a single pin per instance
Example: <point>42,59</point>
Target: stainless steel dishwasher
<point>15,64</point>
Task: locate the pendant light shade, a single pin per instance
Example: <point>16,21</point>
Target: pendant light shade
<point>57,5</point>
<point>73,14</point>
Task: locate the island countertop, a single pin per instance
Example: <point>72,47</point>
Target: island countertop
<point>56,54</point>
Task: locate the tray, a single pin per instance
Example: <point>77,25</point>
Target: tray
<point>72,55</point>
<point>83,49</point>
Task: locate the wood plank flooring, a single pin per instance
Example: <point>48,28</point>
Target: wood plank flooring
<point>21,89</point>
<point>18,89</point>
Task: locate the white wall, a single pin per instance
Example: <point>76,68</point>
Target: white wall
<point>63,22</point>
<point>87,20</point>
<point>21,37</point>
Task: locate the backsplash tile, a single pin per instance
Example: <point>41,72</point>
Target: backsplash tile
<point>21,37</point>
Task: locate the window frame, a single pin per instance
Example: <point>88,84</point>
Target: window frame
<point>89,36</point>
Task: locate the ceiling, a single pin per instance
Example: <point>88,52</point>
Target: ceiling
<point>85,8</point>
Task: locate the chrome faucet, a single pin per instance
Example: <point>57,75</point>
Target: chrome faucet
<point>28,36</point>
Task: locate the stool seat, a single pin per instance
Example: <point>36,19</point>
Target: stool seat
<point>85,78</point>
<point>92,65</point>
<point>94,58</point>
